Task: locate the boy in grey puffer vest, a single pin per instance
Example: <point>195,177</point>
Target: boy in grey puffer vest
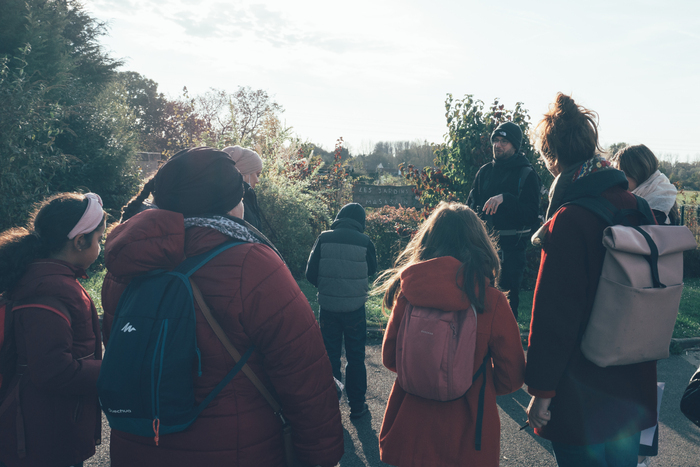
<point>340,263</point>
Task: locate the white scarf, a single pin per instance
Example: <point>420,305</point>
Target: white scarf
<point>659,192</point>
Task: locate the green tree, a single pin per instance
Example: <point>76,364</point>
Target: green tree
<point>64,44</point>
<point>614,148</point>
<point>100,147</point>
<point>182,126</point>
<point>467,147</point>
<point>62,128</point>
<point>28,127</point>
<point>236,118</point>
<point>148,106</point>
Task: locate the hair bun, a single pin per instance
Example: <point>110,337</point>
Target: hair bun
<point>568,133</point>
<point>565,108</point>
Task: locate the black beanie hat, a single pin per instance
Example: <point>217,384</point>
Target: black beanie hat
<point>509,131</point>
<point>198,181</point>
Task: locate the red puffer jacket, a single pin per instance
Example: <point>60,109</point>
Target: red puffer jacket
<point>58,396</point>
<point>257,302</point>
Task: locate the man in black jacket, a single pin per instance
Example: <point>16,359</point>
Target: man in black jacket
<point>340,263</point>
<point>506,195</point>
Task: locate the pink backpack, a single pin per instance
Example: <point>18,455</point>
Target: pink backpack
<point>435,352</point>
<point>435,356</point>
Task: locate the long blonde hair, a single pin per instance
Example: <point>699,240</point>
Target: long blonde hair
<point>452,229</point>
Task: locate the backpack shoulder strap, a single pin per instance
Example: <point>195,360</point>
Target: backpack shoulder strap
<point>221,334</point>
<point>599,206</point>
<point>276,408</point>
<point>645,209</point>
<point>524,173</point>
<point>482,392</point>
<point>193,263</point>
<point>52,304</point>
<point>610,214</point>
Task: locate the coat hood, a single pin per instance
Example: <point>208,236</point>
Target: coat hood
<point>152,239</point>
<point>351,215</point>
<point>434,284</point>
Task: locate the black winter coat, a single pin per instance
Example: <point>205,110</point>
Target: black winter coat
<point>521,197</point>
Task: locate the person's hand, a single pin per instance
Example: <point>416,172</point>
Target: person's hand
<point>491,206</point>
<point>538,414</point>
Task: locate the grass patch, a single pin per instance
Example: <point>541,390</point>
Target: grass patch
<point>310,292</point>
<point>93,285</point>
<point>687,324</point>
<point>375,317</point>
<point>525,310</point>
<point>688,321</point>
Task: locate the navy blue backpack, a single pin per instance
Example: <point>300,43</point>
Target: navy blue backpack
<point>146,384</point>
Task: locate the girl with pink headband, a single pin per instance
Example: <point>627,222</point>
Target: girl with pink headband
<point>49,412</point>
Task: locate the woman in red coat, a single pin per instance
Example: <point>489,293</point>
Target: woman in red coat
<point>256,301</point>
<point>449,265</point>
<point>592,415</point>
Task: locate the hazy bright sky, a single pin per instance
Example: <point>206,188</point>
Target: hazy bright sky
<point>379,70</point>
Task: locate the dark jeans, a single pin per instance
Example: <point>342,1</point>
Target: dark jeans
<point>620,453</point>
<point>353,326</point>
<point>512,269</point>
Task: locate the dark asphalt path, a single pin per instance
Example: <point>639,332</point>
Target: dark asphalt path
<point>679,439</point>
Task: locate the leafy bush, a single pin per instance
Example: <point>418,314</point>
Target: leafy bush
<point>61,127</point>
<point>391,229</point>
<point>28,127</point>
<point>292,219</point>
<point>296,201</point>
<point>467,147</point>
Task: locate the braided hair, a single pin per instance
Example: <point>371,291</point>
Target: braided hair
<point>136,204</point>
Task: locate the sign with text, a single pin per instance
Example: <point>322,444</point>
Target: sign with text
<point>376,196</point>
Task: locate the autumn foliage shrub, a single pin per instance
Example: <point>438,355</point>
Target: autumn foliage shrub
<point>292,219</point>
<point>390,229</point>
<point>296,202</point>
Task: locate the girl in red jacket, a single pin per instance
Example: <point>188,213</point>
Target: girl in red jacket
<point>450,264</point>
<point>57,335</point>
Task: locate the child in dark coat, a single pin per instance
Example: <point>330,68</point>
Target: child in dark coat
<point>340,264</point>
